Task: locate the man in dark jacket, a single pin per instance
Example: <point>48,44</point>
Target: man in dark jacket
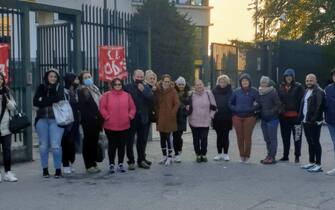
<point>311,115</point>
<point>290,93</point>
<point>143,99</point>
<point>330,112</point>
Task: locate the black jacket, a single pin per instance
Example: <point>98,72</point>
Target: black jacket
<point>315,106</point>
<point>143,101</point>
<point>89,110</point>
<point>223,116</point>
<point>291,98</point>
<point>44,97</point>
<point>182,113</point>
<point>270,105</point>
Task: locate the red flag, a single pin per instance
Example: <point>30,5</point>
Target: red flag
<point>112,63</point>
<point>4,60</point>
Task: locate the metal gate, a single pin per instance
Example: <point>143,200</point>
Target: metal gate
<point>54,50</point>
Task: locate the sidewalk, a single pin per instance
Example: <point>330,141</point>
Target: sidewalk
<point>189,185</point>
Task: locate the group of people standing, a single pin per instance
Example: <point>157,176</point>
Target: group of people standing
<point>125,113</point>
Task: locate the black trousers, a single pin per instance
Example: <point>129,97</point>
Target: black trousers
<point>312,133</point>
<point>69,146</point>
<point>6,142</point>
<point>286,129</point>
<point>139,130</point>
<point>117,142</point>
<point>90,145</point>
<point>200,135</point>
<point>166,144</point>
<point>222,140</point>
<point>177,142</point>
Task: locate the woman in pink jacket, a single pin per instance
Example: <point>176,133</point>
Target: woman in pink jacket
<point>117,109</point>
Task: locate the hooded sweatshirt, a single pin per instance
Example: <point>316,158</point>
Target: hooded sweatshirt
<point>244,101</point>
<point>330,103</point>
<point>290,95</point>
<point>47,94</point>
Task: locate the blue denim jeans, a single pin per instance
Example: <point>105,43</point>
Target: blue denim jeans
<point>269,129</point>
<point>49,134</point>
<point>331,128</point>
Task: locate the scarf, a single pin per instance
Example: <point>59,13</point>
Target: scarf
<point>265,90</point>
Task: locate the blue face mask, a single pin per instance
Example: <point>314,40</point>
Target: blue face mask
<point>88,82</point>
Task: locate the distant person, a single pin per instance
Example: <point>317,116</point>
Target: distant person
<point>222,122</point>
<point>117,109</point>
<point>166,107</point>
<point>270,106</point>
<point>49,133</point>
<point>330,112</point>
<point>143,98</point>
<point>311,115</point>
<point>8,105</point>
<point>69,137</point>
<point>201,108</point>
<point>91,120</point>
<point>183,93</point>
<point>243,104</point>
<point>290,94</point>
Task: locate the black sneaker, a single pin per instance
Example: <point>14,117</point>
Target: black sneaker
<point>121,168</point>
<point>46,173</point>
<point>111,169</point>
<point>58,173</point>
<point>148,162</point>
<point>204,159</point>
<point>297,160</point>
<point>283,159</point>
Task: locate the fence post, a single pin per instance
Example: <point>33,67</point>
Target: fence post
<point>78,64</point>
<point>27,72</point>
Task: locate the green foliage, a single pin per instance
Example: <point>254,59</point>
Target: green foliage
<point>172,37</point>
<point>312,21</point>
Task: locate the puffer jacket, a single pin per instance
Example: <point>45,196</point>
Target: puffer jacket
<point>4,126</point>
<point>270,105</point>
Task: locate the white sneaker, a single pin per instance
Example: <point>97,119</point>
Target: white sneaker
<point>67,170</point>
<point>315,169</point>
<point>177,159</point>
<point>163,160</point>
<point>331,172</point>
<point>246,161</point>
<point>308,166</point>
<point>168,161</point>
<point>10,177</point>
<point>226,157</point>
<point>218,157</point>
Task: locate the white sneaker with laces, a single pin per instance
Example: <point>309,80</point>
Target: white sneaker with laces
<point>226,157</point>
<point>168,161</point>
<point>67,170</point>
<point>10,177</point>
<point>163,160</point>
<point>246,161</point>
<point>218,157</point>
<point>308,166</point>
<point>331,172</point>
<point>315,169</point>
<point>177,159</point>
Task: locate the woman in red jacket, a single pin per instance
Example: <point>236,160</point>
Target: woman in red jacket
<point>117,109</point>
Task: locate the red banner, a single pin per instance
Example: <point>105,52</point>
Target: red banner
<point>112,63</point>
<point>4,60</point>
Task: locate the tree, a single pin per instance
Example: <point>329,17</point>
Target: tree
<point>312,21</point>
<point>172,37</point>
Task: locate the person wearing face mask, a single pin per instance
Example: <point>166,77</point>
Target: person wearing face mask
<point>91,120</point>
<point>244,105</point>
<point>143,98</point>
<point>330,112</point>
<point>222,122</point>
<point>166,107</point>
<point>68,141</point>
<point>8,105</point>
<point>311,116</point>
<point>183,92</point>
<point>201,110</point>
<point>49,133</point>
<point>118,109</point>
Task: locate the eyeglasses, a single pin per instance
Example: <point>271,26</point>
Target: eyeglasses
<point>118,84</point>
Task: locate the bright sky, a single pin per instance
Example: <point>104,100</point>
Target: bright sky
<point>231,20</point>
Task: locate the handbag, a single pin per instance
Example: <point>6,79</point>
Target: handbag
<point>63,113</point>
<point>18,122</point>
